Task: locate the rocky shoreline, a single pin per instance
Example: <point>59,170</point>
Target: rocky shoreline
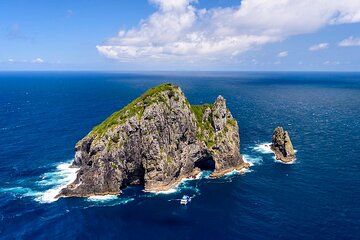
<point>222,173</point>
<point>192,175</point>
<point>156,141</point>
<point>282,147</point>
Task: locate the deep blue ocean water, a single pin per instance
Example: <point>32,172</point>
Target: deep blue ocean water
<point>43,115</point>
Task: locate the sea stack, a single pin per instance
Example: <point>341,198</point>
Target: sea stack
<point>282,146</point>
<point>156,141</point>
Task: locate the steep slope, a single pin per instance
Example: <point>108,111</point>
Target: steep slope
<point>282,146</point>
<point>156,140</point>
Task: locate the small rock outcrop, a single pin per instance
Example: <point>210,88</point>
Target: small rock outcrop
<point>282,146</point>
<point>156,141</point>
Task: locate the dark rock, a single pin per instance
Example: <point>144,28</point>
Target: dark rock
<point>156,141</point>
<point>282,146</point>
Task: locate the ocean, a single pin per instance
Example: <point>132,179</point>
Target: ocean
<point>43,115</point>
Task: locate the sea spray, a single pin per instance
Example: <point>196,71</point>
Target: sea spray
<point>183,185</point>
<point>252,160</point>
<point>58,179</point>
<point>263,148</point>
<point>287,163</point>
<point>103,198</point>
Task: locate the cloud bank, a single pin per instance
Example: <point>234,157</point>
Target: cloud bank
<point>179,31</point>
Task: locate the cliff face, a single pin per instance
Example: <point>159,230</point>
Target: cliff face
<point>155,141</point>
<point>282,146</point>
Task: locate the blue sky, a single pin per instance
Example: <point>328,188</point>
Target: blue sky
<point>142,35</point>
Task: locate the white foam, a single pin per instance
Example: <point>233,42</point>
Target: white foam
<point>170,191</point>
<point>58,179</point>
<point>204,174</point>
<point>278,161</point>
<point>263,148</point>
<point>232,173</point>
<point>238,172</point>
<point>103,198</point>
<point>107,200</point>
<point>252,160</point>
<point>181,185</point>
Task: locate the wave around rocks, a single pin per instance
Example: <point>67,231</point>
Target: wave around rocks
<point>252,160</point>
<point>58,179</point>
<point>264,148</point>
<point>54,181</point>
<point>49,186</point>
<point>61,177</point>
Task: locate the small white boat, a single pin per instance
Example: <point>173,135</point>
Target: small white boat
<point>185,200</point>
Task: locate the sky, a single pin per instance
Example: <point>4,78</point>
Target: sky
<point>180,35</point>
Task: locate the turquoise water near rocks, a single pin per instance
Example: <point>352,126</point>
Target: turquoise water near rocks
<point>43,115</point>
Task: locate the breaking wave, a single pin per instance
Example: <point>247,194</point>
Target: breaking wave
<point>263,148</point>
<point>252,160</point>
<point>57,180</point>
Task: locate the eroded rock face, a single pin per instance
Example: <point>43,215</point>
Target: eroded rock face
<point>156,141</point>
<point>282,146</point>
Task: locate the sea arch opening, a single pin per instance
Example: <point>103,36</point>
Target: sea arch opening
<point>205,163</point>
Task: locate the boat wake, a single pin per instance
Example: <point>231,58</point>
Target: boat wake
<point>107,200</point>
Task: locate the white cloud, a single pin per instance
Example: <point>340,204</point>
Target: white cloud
<point>169,5</point>
<point>11,60</point>
<point>319,46</point>
<point>283,54</point>
<point>25,61</point>
<point>349,42</point>
<point>180,32</point>
<point>38,60</point>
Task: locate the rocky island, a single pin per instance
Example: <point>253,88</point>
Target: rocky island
<point>281,145</point>
<point>156,141</point>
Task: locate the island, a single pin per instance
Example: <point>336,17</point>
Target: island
<point>282,147</point>
<point>156,141</point>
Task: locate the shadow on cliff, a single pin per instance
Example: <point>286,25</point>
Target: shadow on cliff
<point>206,163</point>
